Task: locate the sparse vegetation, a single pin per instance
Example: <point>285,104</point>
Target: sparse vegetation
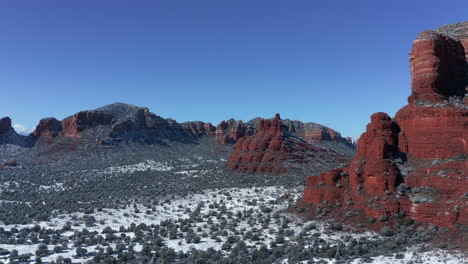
<point>165,216</point>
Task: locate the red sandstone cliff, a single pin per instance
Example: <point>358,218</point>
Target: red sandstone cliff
<point>47,129</point>
<point>273,148</point>
<point>74,125</point>
<point>416,164</point>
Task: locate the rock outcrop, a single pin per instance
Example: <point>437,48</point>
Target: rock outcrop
<point>315,133</point>
<point>415,165</point>
<point>73,126</point>
<point>47,129</point>
<point>117,123</point>
<point>438,64</point>
<point>198,128</point>
<point>273,148</point>
<point>5,125</point>
<point>8,134</point>
<point>123,123</point>
<point>229,132</point>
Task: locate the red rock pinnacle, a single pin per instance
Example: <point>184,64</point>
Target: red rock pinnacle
<point>416,164</point>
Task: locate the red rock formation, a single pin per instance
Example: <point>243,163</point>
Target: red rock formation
<point>437,64</point>
<point>377,146</point>
<point>272,149</point>
<point>324,133</point>
<point>263,152</point>
<point>415,165</point>
<point>231,131</point>
<point>315,133</point>
<point>74,125</point>
<point>372,171</point>
<point>47,129</point>
<point>198,129</point>
<point>433,132</point>
<point>120,122</point>
<point>123,122</point>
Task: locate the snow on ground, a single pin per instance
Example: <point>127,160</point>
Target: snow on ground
<point>248,205</point>
<point>9,150</point>
<point>153,165</point>
<point>55,187</point>
<point>12,186</point>
<point>8,185</point>
<point>431,257</point>
<point>141,166</point>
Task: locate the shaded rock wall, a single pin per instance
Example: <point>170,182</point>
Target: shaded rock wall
<point>5,125</point>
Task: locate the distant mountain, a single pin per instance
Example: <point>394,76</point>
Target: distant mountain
<point>119,123</point>
<point>8,135</point>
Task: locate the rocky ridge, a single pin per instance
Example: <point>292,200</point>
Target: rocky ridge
<point>274,148</point>
<point>231,131</point>
<point>120,123</point>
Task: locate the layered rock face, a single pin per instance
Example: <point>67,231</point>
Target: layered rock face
<point>229,132</point>
<point>119,122</point>
<point>198,128</point>
<point>74,125</point>
<point>273,148</point>
<point>437,64</point>
<point>142,125</point>
<point>371,173</point>
<point>414,165</point>
<point>264,152</point>
<point>116,123</point>
<point>47,129</point>
<point>315,133</point>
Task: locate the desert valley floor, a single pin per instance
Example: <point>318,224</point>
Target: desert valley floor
<point>203,216</point>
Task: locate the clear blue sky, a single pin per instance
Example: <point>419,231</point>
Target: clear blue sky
<point>330,62</point>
